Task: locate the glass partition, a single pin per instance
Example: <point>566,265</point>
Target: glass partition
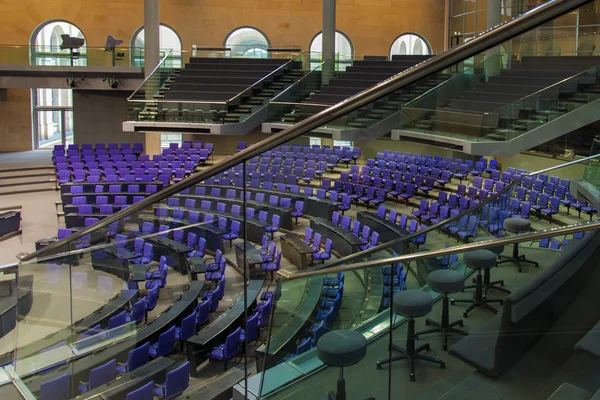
<point>86,56</point>
<point>225,248</point>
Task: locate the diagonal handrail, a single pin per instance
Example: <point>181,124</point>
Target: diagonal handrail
<point>505,31</point>
<point>151,74</point>
<point>504,241</point>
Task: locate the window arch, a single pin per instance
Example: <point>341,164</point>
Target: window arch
<point>46,40</point>
<point>247,41</point>
<point>52,112</point>
<point>410,44</point>
<point>343,47</point>
<point>168,40</point>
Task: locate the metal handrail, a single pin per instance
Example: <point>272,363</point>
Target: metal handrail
<point>403,239</point>
<point>270,74</point>
<point>492,37</point>
<point>151,74</point>
<point>505,241</point>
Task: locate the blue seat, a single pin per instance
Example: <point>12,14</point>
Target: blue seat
<point>146,392</point>
<point>165,344</point>
<point>234,232</point>
<point>99,376</point>
<point>187,329</point>
<point>117,321</point>
<point>227,350</point>
<point>138,312</point>
<point>56,389</point>
<point>176,382</point>
<point>203,313</point>
<point>135,359</point>
<point>151,298</point>
<point>323,255</point>
<point>250,333</point>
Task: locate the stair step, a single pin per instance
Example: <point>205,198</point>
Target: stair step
<point>29,168</point>
<point>27,182</point>
<point>33,175</point>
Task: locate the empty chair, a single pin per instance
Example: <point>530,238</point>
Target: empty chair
<point>227,350</point>
<point>177,382</point>
<point>273,267</point>
<point>165,344</point>
<point>234,232</point>
<point>99,376</point>
<point>56,389</point>
<point>135,359</point>
<point>324,255</point>
<point>138,312</point>
<point>274,227</point>
<point>187,329</point>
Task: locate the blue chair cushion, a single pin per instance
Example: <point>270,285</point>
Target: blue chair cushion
<point>446,281</point>
<point>480,259</point>
<point>412,303</point>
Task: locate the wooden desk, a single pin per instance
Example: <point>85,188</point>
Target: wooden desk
<point>344,242</point>
<point>387,230</point>
<point>296,251</point>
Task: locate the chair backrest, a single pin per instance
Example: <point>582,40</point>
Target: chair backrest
<point>177,380</point>
<point>103,374</point>
<point>138,311</point>
<point>188,326</point>
<point>232,343</point>
<point>56,389</point>
<point>329,245</point>
<point>138,356</point>
<point>166,342</point>
<point>346,221</point>
<point>251,328</point>
<point>117,320</point>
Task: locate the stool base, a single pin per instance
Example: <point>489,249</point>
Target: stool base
<point>478,300</point>
<point>488,284</point>
<point>411,353</point>
<point>444,326</point>
<point>516,258</point>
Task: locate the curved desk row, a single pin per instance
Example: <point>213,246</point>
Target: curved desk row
<point>199,345</point>
<point>90,187</point>
<point>313,206</point>
<point>80,367</point>
<point>10,306</point>
<point>120,302</point>
<point>285,213</point>
<point>344,242</point>
<point>67,198</point>
<point>290,319</point>
<point>387,230</point>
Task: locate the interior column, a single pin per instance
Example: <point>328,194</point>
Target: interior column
<point>151,60</point>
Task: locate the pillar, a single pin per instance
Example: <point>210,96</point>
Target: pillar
<point>328,39</point>
<point>151,60</point>
<point>494,12</point>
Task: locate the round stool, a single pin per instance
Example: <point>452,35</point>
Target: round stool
<point>478,260</point>
<point>517,225</point>
<point>445,281</point>
<point>341,348</point>
<point>411,304</point>
<point>487,283</point>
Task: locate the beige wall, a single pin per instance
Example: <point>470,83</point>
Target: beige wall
<point>536,163</point>
<point>371,24</point>
<point>15,114</point>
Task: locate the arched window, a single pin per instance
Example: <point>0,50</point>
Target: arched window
<point>410,44</point>
<point>168,40</point>
<point>46,41</point>
<point>52,113</point>
<point>247,42</point>
<point>343,47</point>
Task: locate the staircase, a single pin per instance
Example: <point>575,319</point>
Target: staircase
<point>537,100</point>
<point>31,179</point>
<point>236,112</point>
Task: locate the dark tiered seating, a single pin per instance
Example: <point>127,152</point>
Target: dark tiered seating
<point>484,110</point>
<point>360,76</point>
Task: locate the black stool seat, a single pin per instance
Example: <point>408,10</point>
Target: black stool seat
<point>411,304</point>
<point>517,225</point>
<point>479,260</point>
<point>342,348</point>
<point>445,281</point>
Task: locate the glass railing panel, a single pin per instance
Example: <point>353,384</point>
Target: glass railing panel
<point>54,56</point>
<point>592,169</point>
<point>247,51</point>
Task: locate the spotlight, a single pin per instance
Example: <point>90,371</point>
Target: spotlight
<point>113,83</point>
<point>71,82</point>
